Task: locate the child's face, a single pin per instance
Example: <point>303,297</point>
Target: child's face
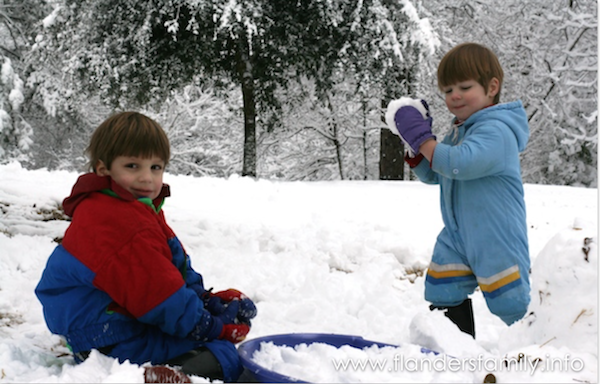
<point>467,97</point>
<point>143,177</point>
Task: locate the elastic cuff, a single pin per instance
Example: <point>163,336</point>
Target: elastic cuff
<point>414,161</point>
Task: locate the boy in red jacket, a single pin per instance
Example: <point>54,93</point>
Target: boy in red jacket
<point>120,281</point>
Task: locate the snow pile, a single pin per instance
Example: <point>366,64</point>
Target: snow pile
<point>322,257</point>
<point>564,307</point>
<point>556,342</point>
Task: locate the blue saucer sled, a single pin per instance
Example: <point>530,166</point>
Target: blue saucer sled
<point>257,373</point>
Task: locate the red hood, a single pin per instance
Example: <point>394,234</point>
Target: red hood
<point>90,182</point>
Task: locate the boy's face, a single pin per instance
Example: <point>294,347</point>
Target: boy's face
<point>143,177</point>
<point>467,97</point>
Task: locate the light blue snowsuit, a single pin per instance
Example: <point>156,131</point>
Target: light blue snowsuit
<point>484,241</point>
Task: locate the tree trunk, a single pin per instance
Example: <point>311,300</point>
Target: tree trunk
<point>364,141</point>
<point>336,142</point>
<point>244,67</point>
<point>391,153</point>
<point>249,164</point>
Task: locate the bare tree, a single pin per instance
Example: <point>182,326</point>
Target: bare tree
<point>549,53</point>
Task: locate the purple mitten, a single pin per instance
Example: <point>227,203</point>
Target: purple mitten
<point>410,119</point>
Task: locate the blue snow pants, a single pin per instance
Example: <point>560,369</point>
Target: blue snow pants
<point>157,347</point>
<point>459,266</point>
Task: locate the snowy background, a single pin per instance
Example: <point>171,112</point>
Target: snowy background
<point>342,257</point>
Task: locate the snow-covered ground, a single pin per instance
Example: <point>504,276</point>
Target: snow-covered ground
<point>324,257</point>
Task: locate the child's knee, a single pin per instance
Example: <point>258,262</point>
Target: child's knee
<point>448,294</point>
<point>510,308</point>
<point>199,362</point>
<point>228,357</point>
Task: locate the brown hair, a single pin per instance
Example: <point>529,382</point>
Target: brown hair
<point>127,134</point>
<point>470,61</point>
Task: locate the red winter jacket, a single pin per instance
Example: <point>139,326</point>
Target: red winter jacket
<point>119,270</point>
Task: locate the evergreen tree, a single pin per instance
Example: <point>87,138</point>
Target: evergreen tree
<point>336,125</point>
<point>137,52</point>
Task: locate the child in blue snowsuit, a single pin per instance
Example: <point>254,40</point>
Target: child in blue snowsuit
<point>484,241</point>
<point>121,282</point>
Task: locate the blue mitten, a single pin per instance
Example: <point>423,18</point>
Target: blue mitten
<point>410,119</point>
<point>247,309</point>
<point>232,331</point>
<point>215,305</point>
<point>229,313</point>
<point>212,327</point>
<point>212,303</point>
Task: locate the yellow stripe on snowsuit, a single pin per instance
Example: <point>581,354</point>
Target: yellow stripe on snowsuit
<point>500,282</point>
<point>447,271</point>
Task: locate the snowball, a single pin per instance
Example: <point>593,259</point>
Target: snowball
<point>395,105</point>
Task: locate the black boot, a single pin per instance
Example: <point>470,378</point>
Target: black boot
<point>461,315</point>
<point>199,362</point>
